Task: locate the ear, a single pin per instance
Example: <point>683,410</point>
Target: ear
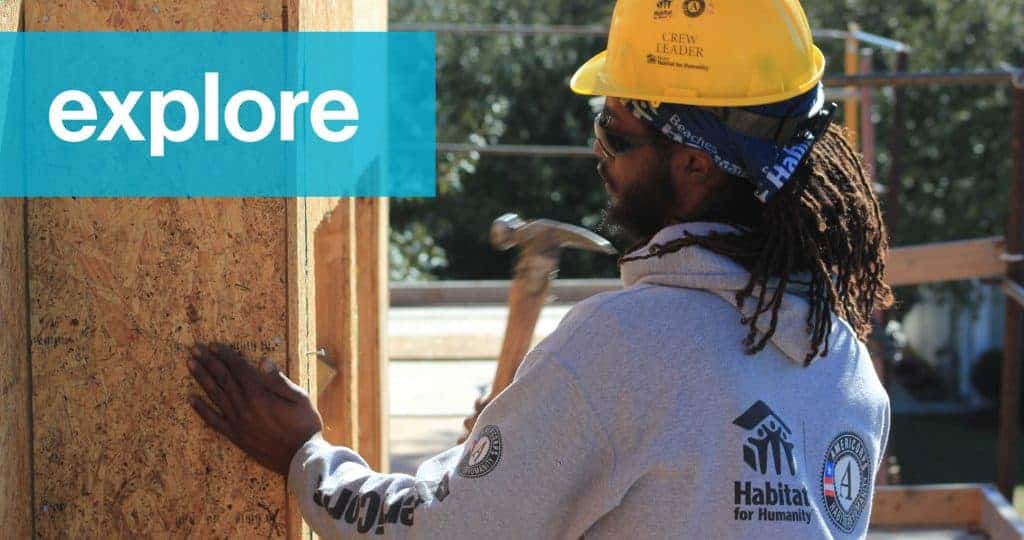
<point>691,168</point>
<point>694,177</point>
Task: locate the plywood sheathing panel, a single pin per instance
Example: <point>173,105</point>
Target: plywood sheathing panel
<point>15,398</point>
<point>10,15</point>
<point>15,405</point>
<point>155,15</point>
<point>120,289</point>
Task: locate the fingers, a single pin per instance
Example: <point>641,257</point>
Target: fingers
<point>212,386</point>
<point>233,359</point>
<point>211,417</point>
<point>223,377</point>
<point>278,383</point>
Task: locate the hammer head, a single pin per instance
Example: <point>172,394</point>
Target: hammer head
<point>544,236</point>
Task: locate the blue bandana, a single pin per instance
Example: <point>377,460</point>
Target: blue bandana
<point>764,144</point>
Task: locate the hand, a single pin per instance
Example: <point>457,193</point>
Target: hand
<point>470,421</point>
<point>266,415</point>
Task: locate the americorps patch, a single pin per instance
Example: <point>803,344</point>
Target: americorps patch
<point>483,455</point>
<point>846,480</point>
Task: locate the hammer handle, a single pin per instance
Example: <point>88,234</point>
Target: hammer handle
<point>523,311</point>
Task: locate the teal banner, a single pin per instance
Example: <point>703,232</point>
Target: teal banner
<point>198,114</point>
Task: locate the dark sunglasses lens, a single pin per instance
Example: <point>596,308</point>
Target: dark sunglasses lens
<point>615,144</point>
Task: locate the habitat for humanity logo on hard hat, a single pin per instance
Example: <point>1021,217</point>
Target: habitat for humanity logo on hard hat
<point>217,114</point>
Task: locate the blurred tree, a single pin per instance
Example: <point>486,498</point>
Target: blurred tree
<point>512,89</point>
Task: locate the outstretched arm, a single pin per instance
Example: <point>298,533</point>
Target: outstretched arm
<point>537,465</point>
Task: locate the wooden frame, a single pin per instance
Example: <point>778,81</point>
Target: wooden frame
<point>973,507</point>
<point>102,299</point>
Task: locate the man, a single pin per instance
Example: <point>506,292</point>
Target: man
<point>725,392</point>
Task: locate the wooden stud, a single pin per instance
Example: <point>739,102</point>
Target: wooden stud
<point>15,376</point>
<point>302,327</point>
<point>336,313</point>
<point>1013,347</point>
<point>998,517</point>
<point>372,293</point>
<point>353,401</point>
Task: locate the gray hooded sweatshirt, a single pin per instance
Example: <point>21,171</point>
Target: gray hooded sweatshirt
<point>640,417</point>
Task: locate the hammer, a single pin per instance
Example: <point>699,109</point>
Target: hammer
<point>540,244</point>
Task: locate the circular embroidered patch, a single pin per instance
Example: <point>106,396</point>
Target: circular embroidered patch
<point>693,8</point>
<point>846,480</point>
<point>483,455</point>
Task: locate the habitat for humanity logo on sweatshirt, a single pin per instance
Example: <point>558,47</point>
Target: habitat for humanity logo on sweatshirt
<point>768,451</point>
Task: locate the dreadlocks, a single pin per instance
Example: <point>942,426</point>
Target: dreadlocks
<point>824,224</point>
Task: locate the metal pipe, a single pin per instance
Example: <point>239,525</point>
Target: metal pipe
<point>897,151</point>
<point>1009,407</point>
<point>867,110</point>
<point>925,78</point>
<point>1014,291</point>
<point>492,29</point>
<point>519,150</point>
<point>851,114</point>
<point>870,39</point>
<point>473,29</point>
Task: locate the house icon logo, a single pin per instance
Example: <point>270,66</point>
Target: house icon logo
<point>768,445</point>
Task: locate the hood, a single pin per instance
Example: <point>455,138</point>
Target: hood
<point>693,267</point>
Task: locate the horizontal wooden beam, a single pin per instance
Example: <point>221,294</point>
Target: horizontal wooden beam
<point>952,506</point>
<point>929,263</point>
<point>491,291</point>
<point>943,505</point>
<point>946,261</point>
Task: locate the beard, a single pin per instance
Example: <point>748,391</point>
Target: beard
<point>643,208</point>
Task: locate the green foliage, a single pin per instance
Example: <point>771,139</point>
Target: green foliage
<point>414,255</point>
<point>512,89</point>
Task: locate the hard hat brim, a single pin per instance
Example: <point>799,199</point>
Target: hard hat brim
<point>590,80</point>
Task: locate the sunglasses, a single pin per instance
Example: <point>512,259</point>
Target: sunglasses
<point>615,144</point>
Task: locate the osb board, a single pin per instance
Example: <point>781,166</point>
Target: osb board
<point>10,15</point>
<point>119,290</point>
<point>155,15</point>
<point>15,428</point>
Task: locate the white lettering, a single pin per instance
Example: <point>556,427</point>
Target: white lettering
<point>59,114</point>
<point>319,116</point>
<point>158,129</point>
<point>121,116</point>
<point>77,106</point>
<point>211,87</point>
<point>267,119</point>
<point>289,102</point>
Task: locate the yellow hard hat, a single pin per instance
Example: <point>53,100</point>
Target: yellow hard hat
<point>718,53</point>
